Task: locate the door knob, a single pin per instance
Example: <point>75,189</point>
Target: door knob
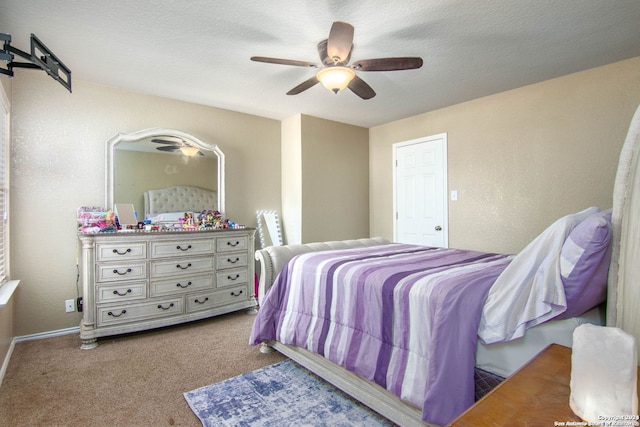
<point>438,228</point>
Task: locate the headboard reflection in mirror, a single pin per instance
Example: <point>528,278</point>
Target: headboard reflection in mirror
<point>269,228</point>
<point>160,158</point>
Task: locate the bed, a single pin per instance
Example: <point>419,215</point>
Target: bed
<point>413,380</point>
<point>170,203</point>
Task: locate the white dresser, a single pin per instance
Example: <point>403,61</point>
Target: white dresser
<point>142,280</point>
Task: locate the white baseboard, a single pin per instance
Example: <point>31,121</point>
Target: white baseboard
<point>39,336</point>
<point>5,363</point>
<point>49,334</point>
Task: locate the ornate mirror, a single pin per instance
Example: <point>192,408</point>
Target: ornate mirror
<point>158,158</point>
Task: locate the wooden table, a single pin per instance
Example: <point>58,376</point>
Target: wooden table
<point>536,395</point>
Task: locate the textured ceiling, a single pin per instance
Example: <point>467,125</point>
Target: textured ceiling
<point>198,50</point>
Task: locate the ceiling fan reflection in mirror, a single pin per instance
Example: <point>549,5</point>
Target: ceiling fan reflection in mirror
<point>335,74</point>
<point>177,144</point>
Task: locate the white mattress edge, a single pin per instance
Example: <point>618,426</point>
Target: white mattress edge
<point>505,358</point>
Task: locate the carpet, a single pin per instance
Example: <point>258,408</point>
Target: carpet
<point>279,395</point>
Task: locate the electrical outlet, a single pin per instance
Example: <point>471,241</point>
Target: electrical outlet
<point>69,305</point>
<point>79,304</point>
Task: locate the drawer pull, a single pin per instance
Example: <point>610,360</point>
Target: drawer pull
<point>183,268</point>
<point>115,251</point>
<point>197,300</point>
<point>233,261</point>
<point>122,274</point>
<point>180,285</point>
<point>116,292</point>
<point>237,276</point>
<point>233,244</point>
<point>117,315</point>
<point>180,248</point>
<point>236,294</point>
<point>165,308</point>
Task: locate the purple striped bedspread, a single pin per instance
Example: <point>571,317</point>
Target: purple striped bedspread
<point>403,316</point>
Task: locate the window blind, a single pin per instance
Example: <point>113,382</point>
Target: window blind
<point>4,186</point>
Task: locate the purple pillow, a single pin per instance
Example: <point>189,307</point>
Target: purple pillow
<point>584,264</point>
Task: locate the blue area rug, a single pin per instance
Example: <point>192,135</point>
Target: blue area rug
<point>278,395</point>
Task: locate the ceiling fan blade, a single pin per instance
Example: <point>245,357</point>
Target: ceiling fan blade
<point>283,61</point>
<point>168,148</point>
<point>361,88</point>
<point>162,141</point>
<point>340,42</point>
<point>387,64</point>
<point>324,56</point>
<point>322,52</point>
<point>309,83</point>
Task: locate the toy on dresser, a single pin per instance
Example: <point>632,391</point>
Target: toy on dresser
<point>94,219</point>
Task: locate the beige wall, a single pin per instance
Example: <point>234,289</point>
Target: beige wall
<point>325,188</point>
<point>6,331</point>
<point>335,180</point>
<point>58,164</point>
<point>519,159</point>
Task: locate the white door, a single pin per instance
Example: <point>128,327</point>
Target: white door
<point>420,191</point>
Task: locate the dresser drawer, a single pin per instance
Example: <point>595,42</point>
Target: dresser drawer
<point>138,281</point>
<point>207,300</point>
<point>232,243</point>
<point>121,292</point>
<point>181,284</point>
<point>122,313</point>
<point>231,277</point>
<point>231,260</point>
<point>120,251</point>
<point>121,271</point>
<point>181,266</point>
<point>175,248</point>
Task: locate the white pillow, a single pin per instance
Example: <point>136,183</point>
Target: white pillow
<point>530,290</point>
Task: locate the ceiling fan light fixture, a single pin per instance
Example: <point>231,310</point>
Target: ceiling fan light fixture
<point>189,151</point>
<point>335,78</point>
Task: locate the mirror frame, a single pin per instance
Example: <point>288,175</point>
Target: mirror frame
<point>148,133</point>
<point>260,217</point>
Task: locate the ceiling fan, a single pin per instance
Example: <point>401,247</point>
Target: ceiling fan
<point>335,74</point>
<point>186,149</point>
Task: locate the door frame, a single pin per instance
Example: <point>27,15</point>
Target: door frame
<point>445,180</point>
